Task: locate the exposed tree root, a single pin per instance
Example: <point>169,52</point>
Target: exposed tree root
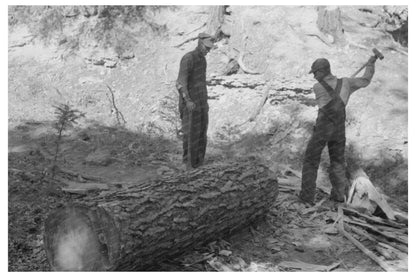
<point>119,115</point>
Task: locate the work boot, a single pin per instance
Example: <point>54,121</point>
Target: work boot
<point>331,204</point>
<point>306,200</point>
<point>295,202</point>
<point>337,197</point>
<point>189,166</point>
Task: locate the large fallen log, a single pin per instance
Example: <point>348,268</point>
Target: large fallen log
<point>135,227</point>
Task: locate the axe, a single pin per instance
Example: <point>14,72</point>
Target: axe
<point>377,54</point>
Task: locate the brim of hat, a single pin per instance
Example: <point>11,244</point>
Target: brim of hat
<point>310,71</point>
<point>208,44</point>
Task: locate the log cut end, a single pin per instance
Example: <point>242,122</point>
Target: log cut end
<point>73,241</point>
<point>77,248</point>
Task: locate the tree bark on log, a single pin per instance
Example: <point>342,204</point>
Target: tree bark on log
<point>132,228</point>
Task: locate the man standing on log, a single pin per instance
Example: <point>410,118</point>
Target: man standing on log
<point>332,96</point>
<point>193,101</point>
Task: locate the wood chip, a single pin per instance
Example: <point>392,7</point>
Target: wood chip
<point>402,218</point>
<point>367,252</point>
<point>82,188</point>
<point>301,266</point>
<point>374,219</point>
<point>362,233</point>
<point>386,253</point>
<point>241,262</point>
<point>331,230</point>
<point>218,266</point>
<point>314,208</point>
<point>287,168</point>
<point>225,253</point>
<point>390,235</point>
<point>399,253</point>
<point>289,183</point>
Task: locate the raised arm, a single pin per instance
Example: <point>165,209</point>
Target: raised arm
<point>363,81</point>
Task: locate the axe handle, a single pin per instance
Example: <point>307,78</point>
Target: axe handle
<point>364,65</point>
<point>358,71</point>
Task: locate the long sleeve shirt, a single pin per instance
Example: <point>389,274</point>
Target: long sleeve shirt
<point>192,77</point>
<point>349,85</point>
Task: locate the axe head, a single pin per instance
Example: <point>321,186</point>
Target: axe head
<point>378,54</point>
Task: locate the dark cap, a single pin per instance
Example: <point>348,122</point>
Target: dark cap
<point>321,63</point>
<point>206,39</point>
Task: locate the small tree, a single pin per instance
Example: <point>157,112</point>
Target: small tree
<point>66,117</point>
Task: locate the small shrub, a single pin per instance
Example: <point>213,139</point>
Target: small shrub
<point>108,25</point>
<point>169,112</point>
<point>51,23</point>
<point>66,117</point>
<point>229,132</point>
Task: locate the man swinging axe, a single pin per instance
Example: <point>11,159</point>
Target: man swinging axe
<point>332,96</point>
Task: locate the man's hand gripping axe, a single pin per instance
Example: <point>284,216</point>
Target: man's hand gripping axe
<point>377,55</point>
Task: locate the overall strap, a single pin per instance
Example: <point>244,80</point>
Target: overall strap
<point>333,93</point>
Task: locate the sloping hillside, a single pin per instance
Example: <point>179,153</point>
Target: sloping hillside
<point>104,67</point>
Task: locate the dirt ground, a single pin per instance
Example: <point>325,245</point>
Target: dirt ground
<point>287,234</point>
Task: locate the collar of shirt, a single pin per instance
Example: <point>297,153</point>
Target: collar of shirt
<point>329,77</point>
<point>199,52</point>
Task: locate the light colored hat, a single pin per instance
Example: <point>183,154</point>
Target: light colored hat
<point>206,39</point>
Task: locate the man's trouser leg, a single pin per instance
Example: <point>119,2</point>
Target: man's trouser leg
<point>337,175</point>
<point>312,158</point>
<point>185,130</point>
<point>203,136</point>
<point>195,128</point>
